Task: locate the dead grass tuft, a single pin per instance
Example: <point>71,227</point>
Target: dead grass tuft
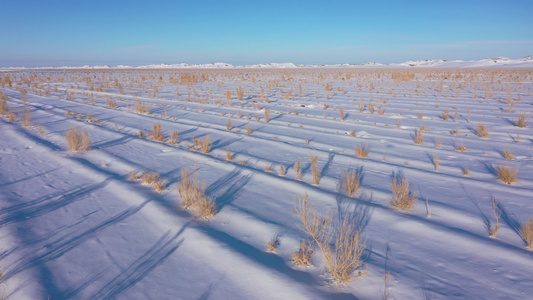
<point>526,231</point>
<point>362,151</point>
<point>460,147</point>
<point>228,125</point>
<point>314,169</point>
<point>341,248</point>
<point>522,120</point>
<point>350,181</point>
<point>192,194</point>
<point>142,108</point>
<point>174,137</point>
<point>282,171</point>
<point>78,142</point>
<point>298,170</point>
<point>482,131</point>
<point>302,257</point>
<point>152,179</point>
<point>25,116</point>
<point>507,174</point>
<point>402,196</point>
<point>418,138</point>
<point>273,244</point>
<point>157,133</point>
<point>508,154</point>
<point>203,144</point>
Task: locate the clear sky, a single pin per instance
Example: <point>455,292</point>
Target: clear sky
<point>134,32</point>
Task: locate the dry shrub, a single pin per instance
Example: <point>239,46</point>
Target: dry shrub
<point>157,133</point>
<point>174,137</point>
<point>141,133</point>
<point>229,156</point>
<point>111,104</point>
<point>370,107</point>
<point>267,115</point>
<point>134,175</point>
<point>418,138</point>
<point>436,162</point>
<point>25,116</point>
<point>153,179</point>
<point>268,168</point>
<point>445,115</point>
<point>78,142</point>
<point>10,117</point>
<point>507,174</point>
<point>350,181</point>
<point>341,112</point>
<point>273,244</point>
<point>493,230</point>
<point>482,131</point>
<point>508,154</point>
<point>314,168</point>
<point>341,248</point>
<point>248,129</point>
<point>142,108</point>
<point>203,144</point>
<point>302,257</point>
<point>192,194</point>
<point>240,92</point>
<point>526,231</point>
<point>420,115</point>
<point>228,125</point>
<point>362,151</point>
<point>454,132</point>
<point>466,172</point>
<point>298,170</point>
<point>3,106</point>
<point>522,119</point>
<point>460,147</point>
<point>402,196</point>
<point>282,171</point>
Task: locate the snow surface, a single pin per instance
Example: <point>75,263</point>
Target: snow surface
<point>74,227</point>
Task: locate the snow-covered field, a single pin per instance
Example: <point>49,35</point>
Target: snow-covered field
<point>74,226</point>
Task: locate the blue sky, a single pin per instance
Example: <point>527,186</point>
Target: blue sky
<point>60,32</point>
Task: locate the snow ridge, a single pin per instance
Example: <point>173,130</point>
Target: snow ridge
<point>525,62</point>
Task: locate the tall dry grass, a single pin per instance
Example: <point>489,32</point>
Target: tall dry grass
<point>341,247</point>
